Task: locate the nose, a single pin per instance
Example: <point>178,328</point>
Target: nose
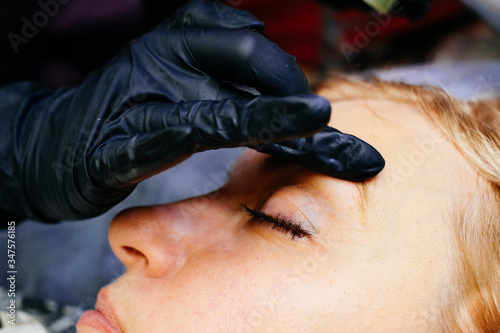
<point>158,240</point>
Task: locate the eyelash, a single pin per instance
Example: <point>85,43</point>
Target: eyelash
<point>281,224</point>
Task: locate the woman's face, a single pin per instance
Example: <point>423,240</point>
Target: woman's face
<point>375,258</point>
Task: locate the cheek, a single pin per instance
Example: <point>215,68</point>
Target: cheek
<point>254,293</point>
<point>230,289</point>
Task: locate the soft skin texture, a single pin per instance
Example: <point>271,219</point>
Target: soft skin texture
<point>377,259</point>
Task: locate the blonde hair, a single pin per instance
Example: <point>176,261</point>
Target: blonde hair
<point>474,128</point>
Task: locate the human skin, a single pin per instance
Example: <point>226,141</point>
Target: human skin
<point>377,260</point>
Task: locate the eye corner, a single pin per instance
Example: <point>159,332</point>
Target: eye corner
<point>245,208</point>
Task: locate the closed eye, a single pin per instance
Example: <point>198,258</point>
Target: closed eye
<point>278,223</point>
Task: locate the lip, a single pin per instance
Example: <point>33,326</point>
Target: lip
<point>103,319</point>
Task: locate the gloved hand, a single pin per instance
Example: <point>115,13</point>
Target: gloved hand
<point>412,9</point>
<point>74,153</point>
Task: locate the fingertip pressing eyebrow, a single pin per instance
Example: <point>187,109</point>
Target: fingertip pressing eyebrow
<point>331,152</point>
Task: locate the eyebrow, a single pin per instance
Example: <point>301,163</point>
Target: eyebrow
<point>363,201</point>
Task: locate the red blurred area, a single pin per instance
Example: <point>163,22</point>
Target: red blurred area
<point>298,25</point>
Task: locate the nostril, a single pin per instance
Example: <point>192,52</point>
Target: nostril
<point>154,262</point>
<point>132,252</point>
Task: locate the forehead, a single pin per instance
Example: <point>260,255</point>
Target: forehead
<point>425,176</point>
<point>383,123</point>
<point>421,164</point>
<point>415,150</point>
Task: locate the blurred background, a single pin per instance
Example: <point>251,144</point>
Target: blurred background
<point>62,267</point>
<point>84,34</point>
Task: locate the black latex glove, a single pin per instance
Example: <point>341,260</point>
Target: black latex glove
<point>412,9</point>
<point>74,153</point>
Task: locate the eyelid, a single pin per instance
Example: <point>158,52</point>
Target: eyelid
<point>280,223</point>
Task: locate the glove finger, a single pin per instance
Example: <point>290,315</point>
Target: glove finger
<point>247,58</point>
<point>236,122</point>
<point>125,162</point>
<point>331,152</point>
<point>211,14</point>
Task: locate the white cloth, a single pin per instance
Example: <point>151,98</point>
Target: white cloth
<point>488,9</point>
